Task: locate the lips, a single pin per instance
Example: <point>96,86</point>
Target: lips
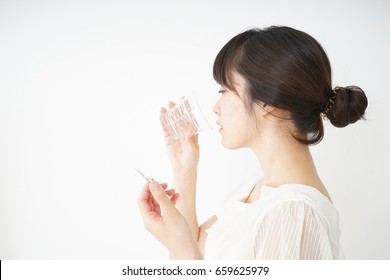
<point>220,127</point>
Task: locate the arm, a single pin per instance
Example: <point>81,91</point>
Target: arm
<point>185,184</point>
<point>184,158</point>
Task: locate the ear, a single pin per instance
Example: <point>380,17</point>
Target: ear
<point>268,110</point>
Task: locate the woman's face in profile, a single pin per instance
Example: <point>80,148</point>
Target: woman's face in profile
<point>237,126</point>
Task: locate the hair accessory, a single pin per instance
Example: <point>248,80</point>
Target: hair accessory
<point>329,104</point>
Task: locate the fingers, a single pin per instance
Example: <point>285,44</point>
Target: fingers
<point>161,197</point>
<point>175,198</point>
<point>170,192</point>
<point>144,199</point>
<point>170,106</point>
<point>145,193</point>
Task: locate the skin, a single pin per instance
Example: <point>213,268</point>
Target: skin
<point>266,132</point>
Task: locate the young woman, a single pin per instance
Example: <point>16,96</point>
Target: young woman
<point>276,90</point>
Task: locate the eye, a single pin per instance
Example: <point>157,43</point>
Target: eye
<point>222,91</point>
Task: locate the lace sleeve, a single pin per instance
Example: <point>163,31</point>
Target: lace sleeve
<point>293,230</point>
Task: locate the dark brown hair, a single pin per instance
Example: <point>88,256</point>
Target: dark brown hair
<point>288,69</point>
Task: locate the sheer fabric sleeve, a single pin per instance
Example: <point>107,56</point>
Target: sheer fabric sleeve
<point>293,230</point>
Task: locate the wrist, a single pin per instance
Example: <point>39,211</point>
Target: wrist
<point>185,173</point>
<point>180,168</point>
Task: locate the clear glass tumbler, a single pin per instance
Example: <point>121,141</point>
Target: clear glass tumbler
<point>185,119</point>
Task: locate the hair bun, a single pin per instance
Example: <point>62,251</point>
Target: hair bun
<point>349,106</point>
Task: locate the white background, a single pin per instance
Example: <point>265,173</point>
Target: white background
<point>81,84</point>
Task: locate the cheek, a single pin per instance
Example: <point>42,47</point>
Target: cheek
<point>249,129</point>
<point>237,134</point>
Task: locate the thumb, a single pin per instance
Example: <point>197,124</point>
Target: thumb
<point>160,196</point>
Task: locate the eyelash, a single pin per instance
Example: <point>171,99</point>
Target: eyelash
<point>221,91</point>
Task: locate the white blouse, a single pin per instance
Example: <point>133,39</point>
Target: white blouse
<point>292,221</point>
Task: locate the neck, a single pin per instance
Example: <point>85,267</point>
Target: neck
<point>284,160</point>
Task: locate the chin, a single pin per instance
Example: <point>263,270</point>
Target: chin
<point>230,145</point>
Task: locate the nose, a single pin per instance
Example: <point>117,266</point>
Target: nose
<point>216,108</point>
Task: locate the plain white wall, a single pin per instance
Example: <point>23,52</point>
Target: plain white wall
<point>81,84</point>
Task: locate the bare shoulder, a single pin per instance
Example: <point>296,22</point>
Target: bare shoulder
<point>202,231</point>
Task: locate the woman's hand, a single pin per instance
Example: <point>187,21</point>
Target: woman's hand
<point>183,153</point>
<point>165,222</point>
